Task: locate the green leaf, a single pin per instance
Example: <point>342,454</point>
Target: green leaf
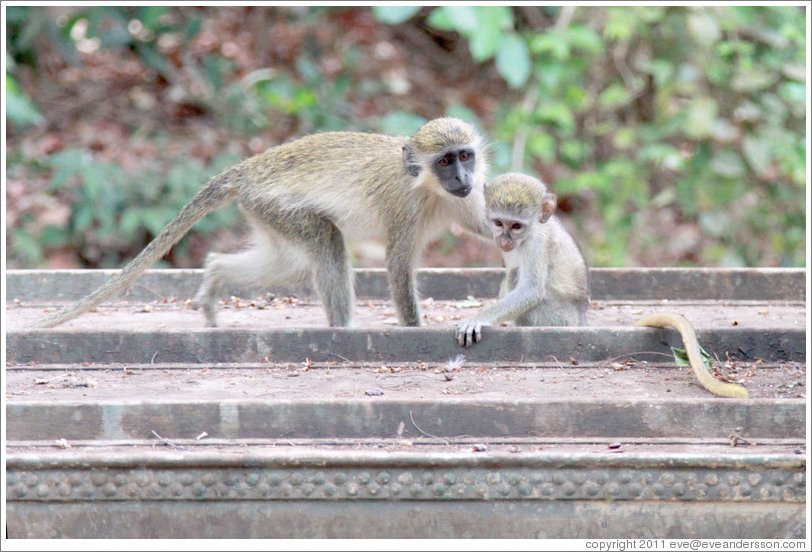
<point>19,109</point>
<point>150,16</point>
<point>469,303</point>
<point>717,224</point>
<point>82,217</point>
<point>152,57</point>
<point>542,145</point>
<point>752,78</point>
<point>66,165</point>
<point>27,246</point>
<point>558,114</point>
<point>615,95</point>
<point>460,111</point>
<point>757,152</point>
<point>130,221</point>
<point>155,219</point>
<point>681,357</point>
<point>585,39</point>
<point>94,180</point>
<point>701,117</point>
<point>53,236</point>
<point>704,28</point>
<point>462,19</point>
<point>401,123</point>
<point>394,14</point>
<point>728,164</point>
<point>550,44</point>
<point>513,60</point>
<point>492,23</point>
<point>620,24</point>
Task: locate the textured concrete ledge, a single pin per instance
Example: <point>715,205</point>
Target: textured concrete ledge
<point>181,494</point>
<point>614,284</point>
<point>387,345</point>
<point>411,520</point>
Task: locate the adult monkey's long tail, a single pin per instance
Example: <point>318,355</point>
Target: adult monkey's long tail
<point>686,330</point>
<point>216,194</point>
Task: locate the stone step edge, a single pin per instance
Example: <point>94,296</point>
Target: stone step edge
<point>611,284</point>
<point>293,457</point>
<point>418,443</point>
<point>584,344</point>
<point>753,419</point>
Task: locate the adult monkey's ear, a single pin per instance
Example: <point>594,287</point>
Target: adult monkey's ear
<point>410,162</point>
<point>548,205</point>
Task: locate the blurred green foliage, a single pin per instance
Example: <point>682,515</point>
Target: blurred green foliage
<point>628,112</point>
<point>699,109</point>
<point>112,208</point>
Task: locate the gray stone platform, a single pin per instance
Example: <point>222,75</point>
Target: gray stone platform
<point>116,428</point>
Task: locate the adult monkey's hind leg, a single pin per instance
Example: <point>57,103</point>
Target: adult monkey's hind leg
<point>332,274</point>
<point>308,239</point>
<point>270,261</point>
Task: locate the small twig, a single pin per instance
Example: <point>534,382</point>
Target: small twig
<point>517,155</point>
<point>635,353</point>
<point>565,17</point>
<point>736,439</point>
<point>555,359</point>
<point>165,441</point>
<point>49,380</point>
<point>411,417</point>
<point>149,289</point>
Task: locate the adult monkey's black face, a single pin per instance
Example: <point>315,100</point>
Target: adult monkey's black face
<point>455,170</point>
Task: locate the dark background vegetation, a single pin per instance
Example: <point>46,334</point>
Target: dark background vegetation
<point>673,136</point>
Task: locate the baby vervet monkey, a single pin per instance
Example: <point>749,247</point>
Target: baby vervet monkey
<point>547,281</point>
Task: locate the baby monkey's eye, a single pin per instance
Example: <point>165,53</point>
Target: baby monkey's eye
<point>516,226</point>
<point>497,223</point>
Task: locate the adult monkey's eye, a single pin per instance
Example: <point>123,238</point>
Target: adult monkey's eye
<point>465,156</point>
<point>446,160</point>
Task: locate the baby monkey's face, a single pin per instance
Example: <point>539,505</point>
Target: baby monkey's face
<point>509,231</point>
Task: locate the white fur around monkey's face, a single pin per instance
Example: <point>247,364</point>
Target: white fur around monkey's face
<point>509,231</point>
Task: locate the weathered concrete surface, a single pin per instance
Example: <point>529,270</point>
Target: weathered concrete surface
<point>769,325</point>
<point>388,345</point>
<point>393,418</point>
<point>538,495</point>
<point>618,284</point>
<point>414,520</point>
<point>571,462</point>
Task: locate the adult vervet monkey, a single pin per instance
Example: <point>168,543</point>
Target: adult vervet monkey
<point>547,279</point>
<point>303,197</point>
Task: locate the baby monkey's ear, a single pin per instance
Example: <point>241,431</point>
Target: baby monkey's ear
<point>548,205</point>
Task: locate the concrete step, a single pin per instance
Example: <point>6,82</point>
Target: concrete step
<point>606,284</point>
<point>393,418</point>
<point>134,424</point>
